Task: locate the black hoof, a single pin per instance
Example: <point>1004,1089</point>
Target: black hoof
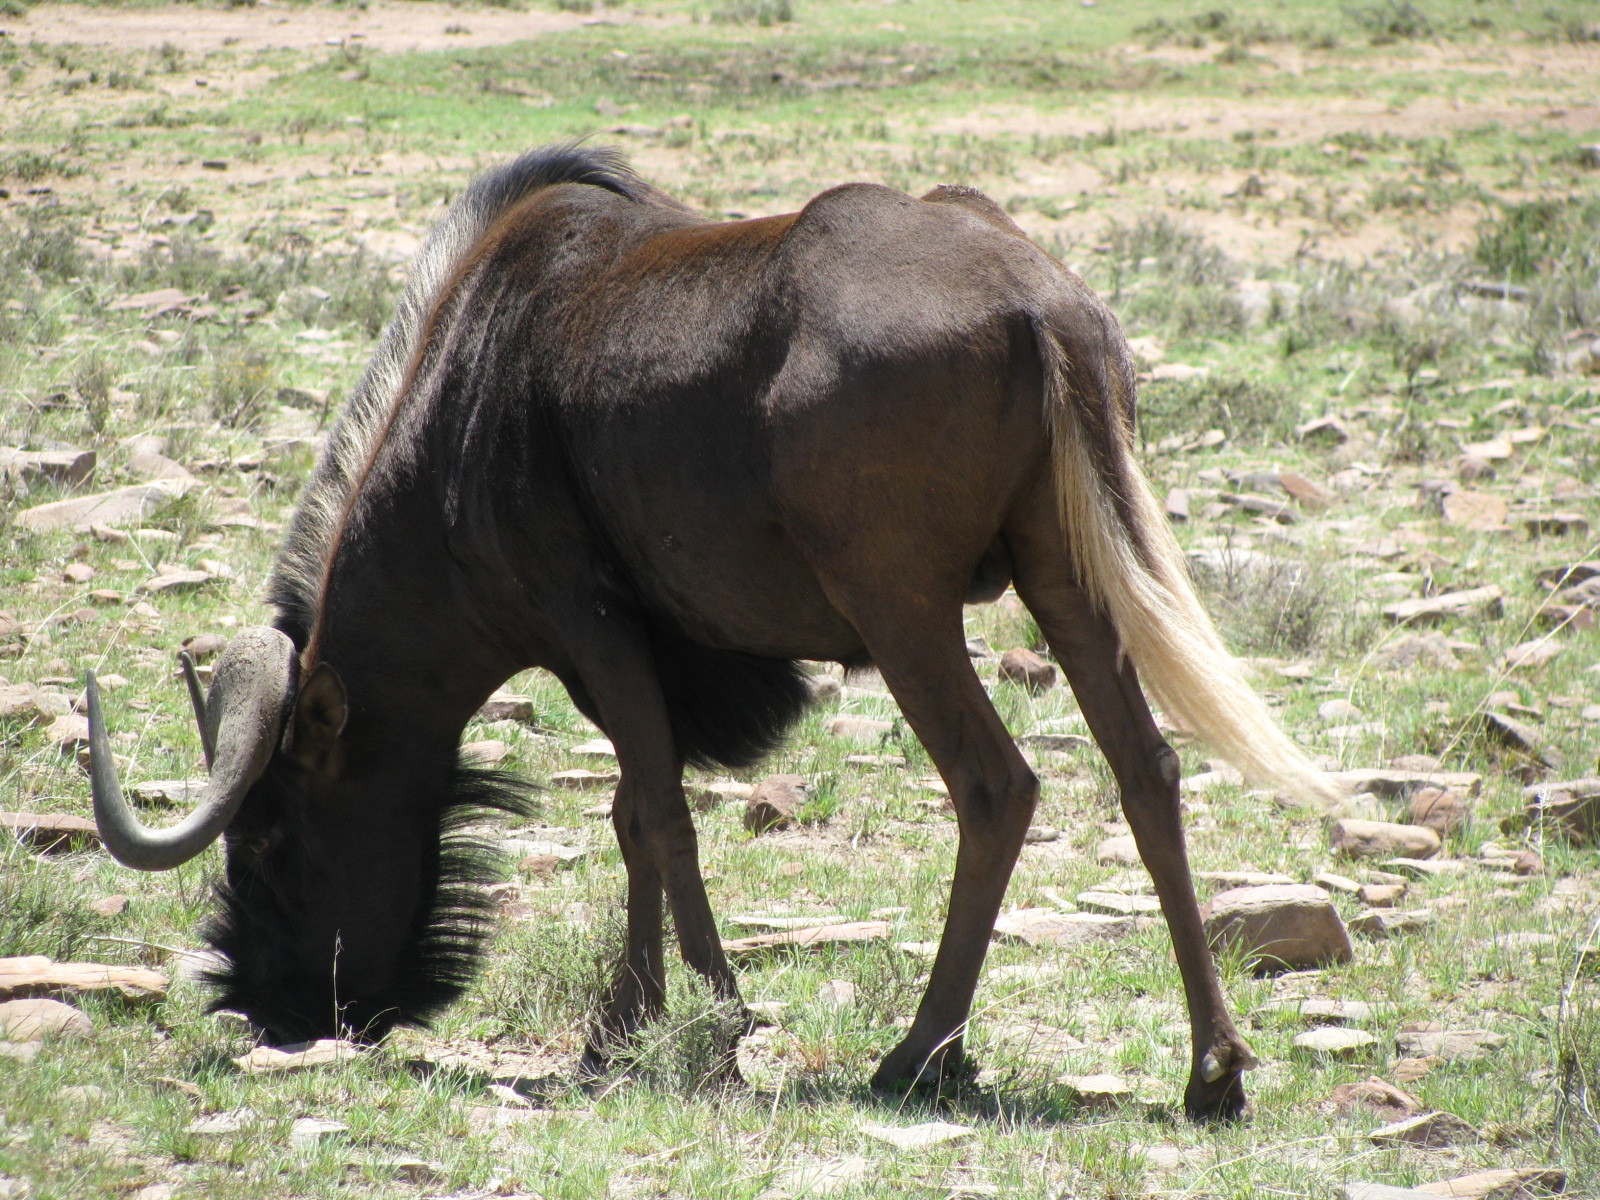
<point>1212,1103</point>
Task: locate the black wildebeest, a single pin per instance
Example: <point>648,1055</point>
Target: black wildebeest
<point>665,458</point>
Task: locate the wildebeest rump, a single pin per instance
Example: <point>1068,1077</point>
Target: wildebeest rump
<point>665,458</point>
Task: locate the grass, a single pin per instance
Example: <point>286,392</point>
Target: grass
<point>1305,205</point>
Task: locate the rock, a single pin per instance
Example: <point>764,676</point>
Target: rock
<point>148,465</point>
<point>1508,1183</point>
<point>203,647</point>
<point>1381,895</point>
<point>37,975</point>
<point>1122,850</point>
<point>1056,743</point>
<point>1243,878</point>
<point>1523,738</point>
<point>1354,838</point>
<point>1334,1042</point>
<point>918,1137</point>
<point>1281,926</point>
<point>1430,1130</point>
<point>1556,524</point>
<point>36,1019</point>
<point>542,848</point>
<point>1443,810</point>
<point>108,906</point>
<point>1335,1012</point>
<point>822,687</point>
<point>866,730</point>
<point>180,793</point>
<point>26,700</point>
<point>1450,1045</point>
<point>1331,882</point>
<point>595,748</point>
<point>1385,922</point>
<point>123,506</point>
<point>77,572</point>
<point>1337,709</point>
<point>307,1133</point>
<point>1177,505</point>
<point>1430,649</point>
<point>1475,511</point>
<point>1046,927</point>
<point>304,1056</point>
<point>69,733</point>
<point>1528,862</point>
<point>1530,655</point>
<point>1265,506</point>
<point>1423,868</point>
<point>1378,1191</point>
<point>822,1178</point>
<point>837,994</point>
<point>1097,1091</point>
<point>1304,492</point>
<point>487,753</point>
<point>507,706</point>
<point>1119,905</point>
<point>1408,1070</point>
<point>222,1124</point>
<point>1570,808</point>
<point>1325,431</point>
<point>1375,1095</point>
<point>183,579</point>
<point>70,468</point>
<point>1485,601</point>
<point>579,779</point>
<point>776,803</point>
<point>812,937</point>
<point>50,832</point>
<point>1027,668</point>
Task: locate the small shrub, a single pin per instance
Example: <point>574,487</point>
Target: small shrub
<point>1243,407</point>
<point>240,386</point>
<point>92,381</point>
<point>754,12</point>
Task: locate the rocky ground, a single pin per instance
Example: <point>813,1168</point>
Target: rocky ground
<point>1358,264</point>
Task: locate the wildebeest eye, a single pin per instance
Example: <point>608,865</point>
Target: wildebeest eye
<point>259,846</point>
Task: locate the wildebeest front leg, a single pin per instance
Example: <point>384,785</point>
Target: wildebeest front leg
<point>656,834</point>
<point>1147,772</point>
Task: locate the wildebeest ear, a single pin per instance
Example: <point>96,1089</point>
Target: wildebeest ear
<point>319,714</point>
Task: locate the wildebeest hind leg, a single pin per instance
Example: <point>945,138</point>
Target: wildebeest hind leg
<point>920,651</point>
<point>1146,768</point>
<point>654,830</point>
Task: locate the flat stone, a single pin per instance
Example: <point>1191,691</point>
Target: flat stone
<point>1450,1045</point>
<point>1118,904</point>
<point>579,779</point>
<point>1475,511</point>
<point>823,1177</point>
<point>1508,1183</point>
<point>1023,666</point>
<point>1431,1131</point>
<point>1425,868</point>
<point>1335,1012</point>
<point>811,937</point>
<point>108,906</point>
<point>507,706</point>
<point>595,748</point>
<point>1097,1091</point>
<point>1386,922</point>
<point>1326,431</point>
<point>1409,1070</point>
<point>1334,1042</point>
<point>180,580</point>
<point>70,468</point>
<point>542,847</point>
<point>918,1137</point>
<point>37,975</point>
<point>36,1019</point>
<point>1486,601</point>
<point>1376,1095</point>
<point>1443,810</point>
<point>1355,838</point>
<point>29,701</point>
<point>486,753</point>
<point>1243,878</point>
<point>1528,656</point>
<point>304,1056</point>
<point>1378,1191</point>
<point>178,793</point>
<point>1570,809</point>
<point>1390,783</point>
<point>1122,850</point>
<point>865,730</point>
<point>1046,927</point>
<point>1279,926</point>
<point>309,1132</point>
<point>50,832</point>
<point>776,803</point>
<point>222,1124</point>
<point>1382,895</point>
<point>69,733</point>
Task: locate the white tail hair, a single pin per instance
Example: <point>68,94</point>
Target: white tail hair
<point>1128,561</point>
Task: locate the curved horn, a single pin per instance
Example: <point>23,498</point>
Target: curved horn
<point>252,691</point>
<point>197,699</point>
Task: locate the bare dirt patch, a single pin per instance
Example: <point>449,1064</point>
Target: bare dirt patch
<point>384,27</point>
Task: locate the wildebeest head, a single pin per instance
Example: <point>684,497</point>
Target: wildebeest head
<point>351,902</point>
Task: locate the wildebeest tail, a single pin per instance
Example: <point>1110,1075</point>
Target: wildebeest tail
<point>1127,559</point>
